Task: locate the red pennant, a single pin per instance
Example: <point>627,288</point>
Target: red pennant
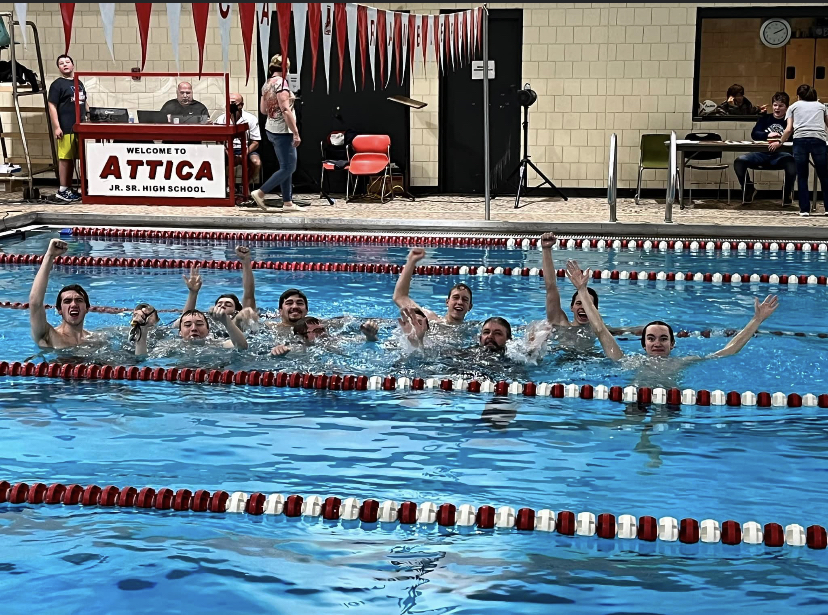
<point>314,20</point>
<point>398,43</point>
<point>435,23</point>
<point>480,28</point>
<point>382,39</point>
<point>67,11</point>
<point>457,50</point>
<point>341,20</point>
<point>362,30</point>
<point>412,38</point>
<point>283,15</point>
<point>201,13</point>
<point>424,26</point>
<point>465,34</point>
<point>447,36</point>
<point>144,11</point>
<point>247,16</point>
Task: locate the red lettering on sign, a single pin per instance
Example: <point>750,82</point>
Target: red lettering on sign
<point>133,167</point>
<point>179,169</point>
<point>153,167</point>
<point>205,171</point>
<point>168,170</point>
<point>111,168</point>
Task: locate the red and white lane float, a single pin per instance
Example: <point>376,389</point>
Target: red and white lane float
<point>351,382</point>
<point>371,512</point>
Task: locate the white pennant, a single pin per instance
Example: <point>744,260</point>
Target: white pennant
<point>351,14</point>
<point>451,33</point>
<point>470,37</point>
<point>263,16</point>
<point>473,30</point>
<point>300,19</point>
<point>372,41</point>
<point>225,12</point>
<point>389,43</point>
<point>108,20</point>
<point>173,21</point>
<point>20,12</point>
<point>442,40</point>
<point>405,28</point>
<point>418,42</point>
<point>327,35</point>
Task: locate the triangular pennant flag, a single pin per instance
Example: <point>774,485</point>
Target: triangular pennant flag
<point>436,26</point>
<point>467,48</point>
<point>362,28</point>
<point>341,19</point>
<point>445,36</point>
<point>479,28</point>
<point>314,12</point>
<point>300,20</point>
<point>108,21</point>
<point>20,13</point>
<point>283,15</point>
<point>397,42</point>
<point>144,11</point>
<point>224,12</point>
<point>382,40</point>
<point>413,38</point>
<point>390,37</point>
<point>453,40</point>
<point>327,18</point>
<point>372,41</point>
<point>473,30</point>
<point>201,14</point>
<point>351,13</point>
<point>173,20</point>
<point>67,12</point>
<point>263,21</point>
<point>404,29</point>
<point>424,28</point>
<point>247,17</point>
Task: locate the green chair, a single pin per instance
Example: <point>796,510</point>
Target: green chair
<point>654,154</point>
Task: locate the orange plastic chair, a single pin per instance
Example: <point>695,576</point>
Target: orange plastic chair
<point>372,156</point>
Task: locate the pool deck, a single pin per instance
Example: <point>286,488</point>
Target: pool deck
<point>446,214</point>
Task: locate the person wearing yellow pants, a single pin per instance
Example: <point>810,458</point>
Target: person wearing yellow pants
<point>62,112</point>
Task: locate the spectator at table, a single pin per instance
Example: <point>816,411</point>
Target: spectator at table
<point>737,104</point>
<point>184,105</point>
<point>62,114</point>
<point>807,120</point>
<point>239,116</point>
<point>770,126</point>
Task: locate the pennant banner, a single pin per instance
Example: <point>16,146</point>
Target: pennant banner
<point>372,41</point>
<point>247,17</point>
<point>173,22</point>
<point>390,37</point>
<point>413,44</point>
<point>424,23</point>
<point>300,18</point>
<point>20,12</point>
<point>341,19</point>
<point>201,13</point>
<point>327,18</point>
<point>144,11</point>
<point>362,27</point>
<point>67,12</point>
<point>263,21</point>
<point>351,14</point>
<point>108,21</point>
<point>314,23</point>
<point>225,13</point>
<point>404,35</point>
<point>283,16</point>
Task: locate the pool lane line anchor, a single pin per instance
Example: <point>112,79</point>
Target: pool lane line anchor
<point>372,512</point>
<point>335,382</point>
<point>598,275</point>
<point>564,241</point>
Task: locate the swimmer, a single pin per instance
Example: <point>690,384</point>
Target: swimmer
<point>414,325</point>
<point>458,303</point>
<point>657,338</point>
<point>309,330</point>
<point>494,334</point>
<point>144,317</point>
<point>72,305</point>
<point>193,327</point>
<point>554,312</point>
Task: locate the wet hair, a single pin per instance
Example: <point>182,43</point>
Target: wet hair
<point>657,322</point>
<point>735,90</point>
<point>806,92</point>
<point>465,287</point>
<point>301,326</point>
<point>64,55</point>
<point>592,294</point>
<point>781,97</point>
<point>78,289</point>
<point>419,312</point>
<point>291,292</point>
<point>193,313</point>
<point>501,321</point>
<point>235,299</point>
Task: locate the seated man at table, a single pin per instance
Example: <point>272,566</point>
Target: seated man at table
<point>184,105</point>
<point>770,126</point>
<point>239,116</point>
<point>737,104</point>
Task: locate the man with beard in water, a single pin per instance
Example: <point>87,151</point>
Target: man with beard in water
<point>72,305</point>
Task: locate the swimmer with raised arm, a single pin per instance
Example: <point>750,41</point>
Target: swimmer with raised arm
<point>657,338</point>
<point>193,327</point>
<point>458,303</point>
<point>72,305</point>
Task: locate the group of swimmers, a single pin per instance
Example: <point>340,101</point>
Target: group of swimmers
<point>294,330</point>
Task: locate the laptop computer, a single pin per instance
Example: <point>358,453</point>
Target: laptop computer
<point>108,115</point>
<point>152,117</point>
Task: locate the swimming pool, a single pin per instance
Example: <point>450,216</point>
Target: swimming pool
<point>746,463</point>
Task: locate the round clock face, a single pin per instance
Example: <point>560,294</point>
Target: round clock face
<point>775,32</point>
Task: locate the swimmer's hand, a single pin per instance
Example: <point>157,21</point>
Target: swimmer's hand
<point>761,311</point>
<point>193,282</point>
<point>548,240</point>
<point>369,329</point>
<point>57,247</point>
<point>280,350</point>
<point>218,314</point>
<point>412,327</point>
<point>243,252</point>
<point>415,255</point>
<point>579,278</point>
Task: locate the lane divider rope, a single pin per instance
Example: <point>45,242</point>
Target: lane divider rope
<point>338,382</point>
<point>384,268</point>
<point>370,512</point>
<point>567,241</point>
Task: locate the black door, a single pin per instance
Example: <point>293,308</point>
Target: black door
<point>461,112</point>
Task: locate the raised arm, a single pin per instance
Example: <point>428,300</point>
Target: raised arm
<point>761,311</point>
<point>37,312</point>
<point>554,313</point>
<point>193,284</point>
<point>248,283</point>
<point>403,287</point>
<point>138,331</point>
<point>579,280</point>
<point>237,338</point>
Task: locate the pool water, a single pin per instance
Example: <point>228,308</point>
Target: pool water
<point>759,464</point>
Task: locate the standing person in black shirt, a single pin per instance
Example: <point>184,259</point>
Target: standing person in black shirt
<point>62,113</point>
<point>184,104</point>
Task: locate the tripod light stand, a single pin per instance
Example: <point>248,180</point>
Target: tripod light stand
<point>527,97</point>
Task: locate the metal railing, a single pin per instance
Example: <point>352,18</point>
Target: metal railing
<point>612,183</point>
<point>672,180</point>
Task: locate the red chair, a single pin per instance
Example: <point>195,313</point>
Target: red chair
<point>334,157</point>
<point>372,156</point>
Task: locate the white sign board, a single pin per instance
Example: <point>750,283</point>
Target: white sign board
<point>477,69</point>
<point>156,170</point>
